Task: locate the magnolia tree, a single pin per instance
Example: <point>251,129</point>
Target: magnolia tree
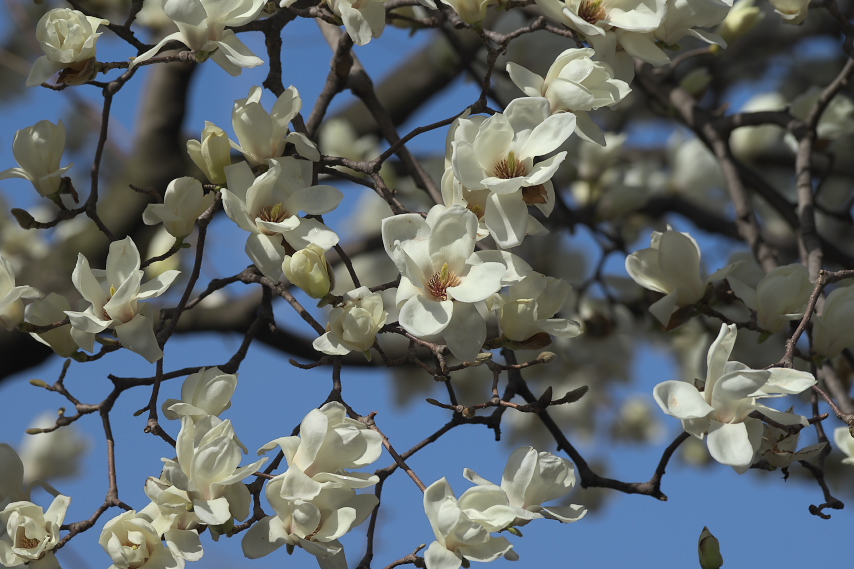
<point>509,265</point>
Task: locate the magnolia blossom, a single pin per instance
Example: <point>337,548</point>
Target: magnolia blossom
<point>11,305</point>
<point>38,150</point>
<point>55,454</point>
<point>671,266</point>
<point>68,39</point>
<point>531,478</point>
<point>315,499</point>
<point>470,11</point>
<point>609,23</point>
<point>442,279</point>
<point>832,331</point>
<point>353,326</point>
<point>781,296</point>
<point>133,543</point>
<point>458,536</point>
<point>172,516</point>
<point>212,153</point>
<point>530,306</point>
<point>683,17</point>
<point>202,28</point>
<point>267,208</point>
<point>28,533</point>
<point>743,17</point>
<point>114,295</point>
<point>780,447</point>
<point>577,84</point>
<point>364,20</point>
<point>329,443</point>
<point>497,154</point>
<point>207,469</point>
<point>793,12</point>
<point>206,392</point>
<point>46,311</point>
<point>843,439</point>
<point>729,395</point>
<point>309,270</point>
<point>311,513</point>
<point>11,477</point>
<point>183,203</point>
<point>262,135</point>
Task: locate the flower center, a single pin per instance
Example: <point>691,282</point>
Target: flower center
<point>591,11</point>
<point>25,542</point>
<point>509,168</point>
<point>440,282</point>
<point>274,214</point>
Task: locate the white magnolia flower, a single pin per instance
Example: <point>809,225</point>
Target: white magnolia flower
<point>312,513</point>
<point>781,296</point>
<point>68,39</point>
<point>206,392</point>
<point>836,120</point>
<point>608,23</point>
<point>183,203</point>
<point>353,326</point>
<point>832,331</point>
<point>743,17</point>
<point>172,515</point>
<point>497,154</point>
<point>577,84</point>
<point>364,20</point>
<point>11,477</point>
<point>729,395</point>
<point>458,536</point>
<point>530,306</point>
<point>793,12</point>
<point>443,281</point>
<point>780,447</point>
<point>114,295</point>
<point>843,439</point>
<point>38,150</point>
<point>470,11</point>
<point>46,311</point>
<point>133,543</point>
<point>531,478</point>
<point>267,207</point>
<point>671,265</point>
<point>56,454</point>
<point>262,135</point>
<point>683,17</point>
<point>28,533</point>
<point>207,468</point>
<point>329,443</point>
<point>202,28</point>
<point>11,305</point>
<point>309,270</point>
<point>212,154</point>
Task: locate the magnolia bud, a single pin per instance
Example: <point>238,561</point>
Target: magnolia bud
<point>308,269</point>
<point>742,18</point>
<point>709,549</point>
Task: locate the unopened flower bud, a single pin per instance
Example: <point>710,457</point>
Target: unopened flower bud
<point>547,357</point>
<point>696,81</point>
<point>308,269</point>
<point>38,383</point>
<point>709,549</point>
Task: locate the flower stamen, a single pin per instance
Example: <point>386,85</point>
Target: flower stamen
<point>509,168</point>
<point>439,283</point>
<point>591,11</point>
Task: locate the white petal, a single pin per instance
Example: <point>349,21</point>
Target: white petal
<point>681,400</point>
<point>423,317</point>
